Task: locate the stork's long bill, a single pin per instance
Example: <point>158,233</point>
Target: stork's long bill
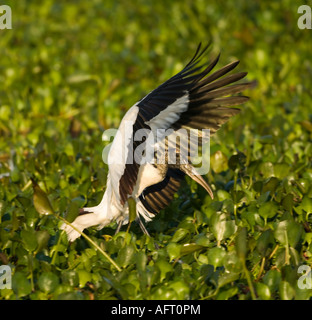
<point>146,160</point>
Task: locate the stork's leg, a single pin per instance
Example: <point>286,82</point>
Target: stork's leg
<point>142,226</point>
<point>120,223</point>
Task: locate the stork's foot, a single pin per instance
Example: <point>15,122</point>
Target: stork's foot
<point>72,234</point>
<point>82,222</point>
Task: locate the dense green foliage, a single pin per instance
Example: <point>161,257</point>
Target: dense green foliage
<point>71,69</point>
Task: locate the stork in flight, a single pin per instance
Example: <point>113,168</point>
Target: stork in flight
<point>194,98</point>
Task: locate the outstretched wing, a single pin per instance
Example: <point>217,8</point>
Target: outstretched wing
<point>192,99</point>
<point>158,196</point>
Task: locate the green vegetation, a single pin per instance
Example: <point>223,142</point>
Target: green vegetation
<point>71,69</point>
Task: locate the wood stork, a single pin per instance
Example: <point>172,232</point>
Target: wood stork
<point>194,98</point>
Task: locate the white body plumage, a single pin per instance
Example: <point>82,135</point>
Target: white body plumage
<point>190,99</point>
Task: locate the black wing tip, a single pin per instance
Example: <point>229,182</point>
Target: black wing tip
<point>232,65</point>
<point>249,85</point>
<point>252,84</point>
<point>198,53</point>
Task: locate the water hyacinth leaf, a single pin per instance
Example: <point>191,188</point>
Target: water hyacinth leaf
<point>154,275</point>
<point>268,210</point>
<point>267,169</point>
<point>71,278</point>
<point>263,291</point>
<point>251,217</point>
<point>84,173</point>
<point>72,211</point>
<point>15,175</point>
<point>126,256</point>
<point>189,248</point>
<point>179,234</point>
<point>83,276</point>
<point>303,185</point>
<point>163,294</point>
<point>294,254</point>
<point>218,162</point>
<point>80,200</point>
<point>181,288</point>
<point>206,270</point>
<point>233,162</point>
<point>173,250</point>
<point>226,278</point>
<point>288,202</point>
<point>306,204</point>
<point>73,295</point>
<point>43,237</point>
<point>199,217</point>
<point>216,256</point>
<point>83,187</point>
<point>288,232</point>
<point>265,242</point>
<point>270,185</point>
<point>287,292</point>
<point>202,240</point>
<point>227,294</point>
<point>302,294</point>
<point>237,160</point>
<point>164,268</point>
<point>31,215</point>
<point>48,281</point>
<point>272,279</point>
<point>263,198</point>
<point>29,239</point>
<point>202,259</point>
<point>238,196</point>
<point>102,176</point>
<point>140,260</point>
<point>41,201</point>
<point>220,227</point>
<point>281,170</point>
<point>20,284</point>
<point>223,195</point>
<point>232,262</point>
<point>2,207</point>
